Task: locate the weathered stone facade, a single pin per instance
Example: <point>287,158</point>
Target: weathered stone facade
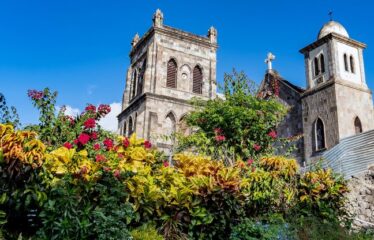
<point>336,94</point>
<point>273,85</point>
<point>150,108</point>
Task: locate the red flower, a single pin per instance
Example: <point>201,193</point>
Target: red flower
<point>76,141</point>
<point>220,138</point>
<point>272,134</point>
<point>96,146</point>
<point>68,145</point>
<point>116,173</point>
<point>103,109</point>
<point>166,164</point>
<point>147,144</point>
<point>35,95</point>
<point>83,138</point>
<point>120,155</point>
<point>250,161</point>
<point>100,158</point>
<point>90,108</point>
<point>94,135</point>
<point>126,142</point>
<point>89,123</point>
<point>256,147</point>
<point>108,143</point>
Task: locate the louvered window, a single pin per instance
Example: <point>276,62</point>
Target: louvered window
<point>171,79</point>
<point>197,84</point>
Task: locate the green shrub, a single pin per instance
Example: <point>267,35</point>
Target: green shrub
<point>146,232</point>
<point>264,229</point>
<point>85,210</point>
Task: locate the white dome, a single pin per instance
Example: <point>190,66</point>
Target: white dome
<point>332,27</point>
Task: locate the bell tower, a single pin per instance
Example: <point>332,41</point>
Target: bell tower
<point>337,102</point>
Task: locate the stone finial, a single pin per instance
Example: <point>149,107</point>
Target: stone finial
<point>269,59</point>
<point>158,18</point>
<point>135,40</point>
<point>212,34</point>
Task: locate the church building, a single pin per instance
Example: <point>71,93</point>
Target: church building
<point>169,66</point>
<point>336,103</point>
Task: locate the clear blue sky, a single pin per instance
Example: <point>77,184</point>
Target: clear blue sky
<point>80,48</point>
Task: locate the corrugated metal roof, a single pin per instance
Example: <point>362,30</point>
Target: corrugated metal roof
<point>352,155</point>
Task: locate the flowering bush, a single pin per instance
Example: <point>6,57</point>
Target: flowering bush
<point>241,126</point>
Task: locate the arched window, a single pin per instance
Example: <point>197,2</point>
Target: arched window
<point>124,132</point>
<point>316,67</point>
<point>358,126</point>
<point>319,135</point>
<point>141,78</point>
<point>352,62</point>
<point>197,84</point>
<point>322,62</point>
<point>133,83</point>
<point>171,78</point>
<point>169,128</point>
<point>131,129</point>
<point>345,62</point>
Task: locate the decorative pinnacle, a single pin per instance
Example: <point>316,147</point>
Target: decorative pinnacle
<point>135,40</point>
<point>158,18</point>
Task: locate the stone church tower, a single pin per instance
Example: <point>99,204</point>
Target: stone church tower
<point>167,68</point>
<point>337,102</point>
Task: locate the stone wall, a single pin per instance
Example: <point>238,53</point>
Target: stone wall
<point>320,103</point>
<point>361,199</point>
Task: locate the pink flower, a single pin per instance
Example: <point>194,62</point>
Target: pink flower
<point>116,173</point>
<point>220,138</point>
<point>108,143</point>
<point>100,158</point>
<point>250,161</point>
<point>103,109</point>
<point>147,144</point>
<point>96,146</point>
<point>89,123</point>
<point>256,147</point>
<point>68,145</point>
<point>83,138</point>
<point>126,142</point>
<point>272,134</point>
<point>35,95</point>
<point>166,164</point>
<point>90,108</point>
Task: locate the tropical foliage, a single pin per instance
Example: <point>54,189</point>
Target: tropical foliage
<point>77,181</point>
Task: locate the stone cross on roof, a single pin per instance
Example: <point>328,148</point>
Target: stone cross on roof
<point>269,59</point>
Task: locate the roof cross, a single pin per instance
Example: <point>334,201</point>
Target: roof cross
<point>269,59</point>
<point>330,14</point>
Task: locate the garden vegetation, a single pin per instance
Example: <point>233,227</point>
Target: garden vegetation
<point>66,178</point>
